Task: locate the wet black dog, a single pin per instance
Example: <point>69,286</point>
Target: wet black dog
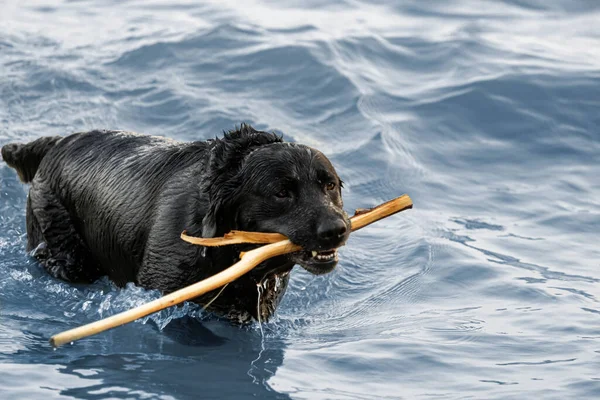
<point>115,203</point>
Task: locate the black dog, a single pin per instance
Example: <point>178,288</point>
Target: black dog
<point>115,203</point>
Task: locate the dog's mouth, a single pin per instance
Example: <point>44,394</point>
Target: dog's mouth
<point>317,262</point>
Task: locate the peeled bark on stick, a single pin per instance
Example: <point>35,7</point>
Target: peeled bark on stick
<point>278,245</point>
<point>235,237</point>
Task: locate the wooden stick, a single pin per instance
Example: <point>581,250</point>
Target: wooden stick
<point>363,218</point>
<point>249,260</point>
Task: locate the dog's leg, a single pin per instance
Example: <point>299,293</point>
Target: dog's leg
<point>34,232</point>
<point>64,255</point>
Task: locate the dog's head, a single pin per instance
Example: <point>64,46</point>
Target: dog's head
<point>265,185</point>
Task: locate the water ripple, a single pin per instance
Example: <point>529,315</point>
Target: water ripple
<point>484,112</point>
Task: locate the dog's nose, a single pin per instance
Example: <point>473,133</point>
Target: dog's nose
<point>331,229</point>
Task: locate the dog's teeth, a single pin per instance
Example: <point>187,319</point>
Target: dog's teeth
<point>324,257</point>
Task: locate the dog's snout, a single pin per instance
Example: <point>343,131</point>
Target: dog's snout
<point>332,229</point>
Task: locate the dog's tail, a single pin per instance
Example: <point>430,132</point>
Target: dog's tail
<point>26,158</point>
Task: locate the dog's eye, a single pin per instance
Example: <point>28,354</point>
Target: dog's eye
<point>330,186</point>
<point>283,193</point>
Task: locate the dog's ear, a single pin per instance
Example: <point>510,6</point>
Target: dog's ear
<point>212,220</point>
<point>221,215</point>
<point>223,183</point>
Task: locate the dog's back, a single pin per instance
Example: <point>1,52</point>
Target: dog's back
<point>108,184</point>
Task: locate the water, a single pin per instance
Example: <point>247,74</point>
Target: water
<point>486,113</point>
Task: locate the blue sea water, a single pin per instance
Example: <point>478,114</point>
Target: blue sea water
<point>486,112</point>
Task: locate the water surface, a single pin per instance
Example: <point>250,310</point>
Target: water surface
<point>485,112</point>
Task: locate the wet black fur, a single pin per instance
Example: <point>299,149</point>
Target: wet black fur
<point>114,203</point>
